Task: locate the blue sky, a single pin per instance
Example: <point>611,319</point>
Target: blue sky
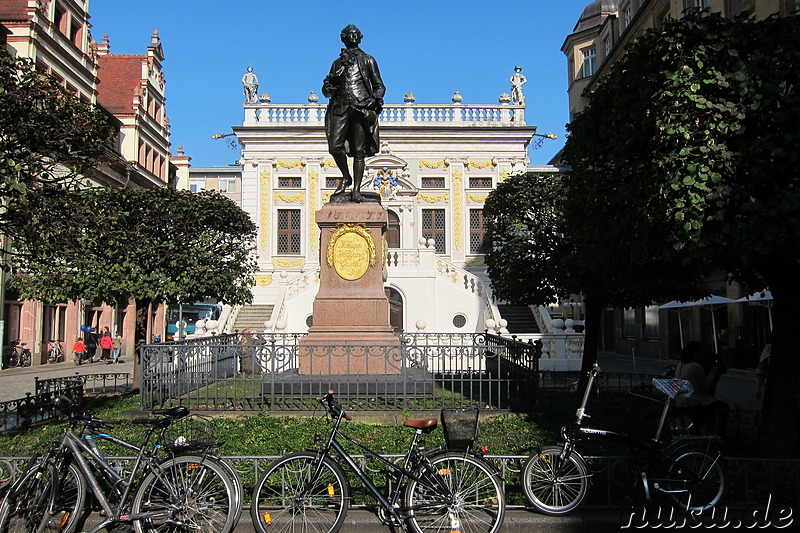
<point>430,48</point>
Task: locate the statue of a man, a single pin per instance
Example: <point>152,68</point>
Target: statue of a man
<point>517,80</point>
<point>250,83</point>
<point>356,91</point>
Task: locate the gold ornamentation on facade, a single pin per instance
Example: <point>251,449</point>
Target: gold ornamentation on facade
<point>290,164</point>
<point>326,196</point>
<point>351,251</point>
<point>458,204</point>
<point>424,163</point>
<point>264,280</point>
<point>453,277</point>
<point>504,175</point>
<point>313,190</point>
<point>264,226</point>
<point>477,198</point>
<point>433,198</point>
<point>328,163</point>
<point>290,198</point>
<point>481,164</point>
<point>288,264</point>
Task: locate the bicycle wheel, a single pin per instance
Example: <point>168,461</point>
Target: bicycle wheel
<point>553,486</point>
<point>27,501</point>
<point>695,480</point>
<point>12,359</point>
<point>25,360</point>
<point>238,490</point>
<point>66,510</point>
<point>186,493</point>
<point>288,497</point>
<point>463,495</point>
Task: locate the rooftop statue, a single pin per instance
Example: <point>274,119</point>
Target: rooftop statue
<point>250,83</point>
<point>517,80</point>
<point>356,91</point>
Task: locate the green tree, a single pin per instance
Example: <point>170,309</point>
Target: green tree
<point>687,151</point>
<point>47,135</point>
<point>116,244</point>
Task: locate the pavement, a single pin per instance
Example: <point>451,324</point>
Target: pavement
<point>15,382</point>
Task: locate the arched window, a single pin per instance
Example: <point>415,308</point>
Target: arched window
<point>393,230</point>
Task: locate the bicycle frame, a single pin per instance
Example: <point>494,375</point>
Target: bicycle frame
<point>85,457</point>
<point>654,448</point>
<point>411,461</point>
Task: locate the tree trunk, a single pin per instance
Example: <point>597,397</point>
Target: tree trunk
<point>593,309</point>
<point>778,432</point>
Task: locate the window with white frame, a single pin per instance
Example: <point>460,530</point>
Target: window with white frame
<point>197,185</point>
<point>433,227</point>
<point>650,328</point>
<point>289,231</point>
<point>589,61</point>
<point>227,185</point>
<point>627,15</point>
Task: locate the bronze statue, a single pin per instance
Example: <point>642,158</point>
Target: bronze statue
<point>356,91</point>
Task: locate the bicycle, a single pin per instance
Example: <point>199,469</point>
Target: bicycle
<point>687,468</point>
<point>184,492</point>
<point>440,490</point>
<point>55,353</point>
<point>17,355</point>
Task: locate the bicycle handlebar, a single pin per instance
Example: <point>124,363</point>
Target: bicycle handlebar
<point>334,407</point>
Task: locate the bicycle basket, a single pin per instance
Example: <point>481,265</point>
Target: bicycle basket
<point>190,433</point>
<point>460,427</point>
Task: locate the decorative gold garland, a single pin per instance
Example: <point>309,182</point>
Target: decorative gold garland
<point>477,198</point>
<point>290,198</point>
<point>288,264</point>
<point>433,198</point>
<point>313,182</point>
<point>265,179</point>
<point>290,164</point>
<point>458,190</point>
<point>328,163</point>
<point>504,175</point>
<point>326,196</point>
<point>264,280</point>
<point>359,229</point>
<point>424,163</point>
<point>481,164</point>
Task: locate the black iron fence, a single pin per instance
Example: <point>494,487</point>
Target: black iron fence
<point>277,372</point>
<point>749,483</point>
<point>99,383</point>
<point>36,408</point>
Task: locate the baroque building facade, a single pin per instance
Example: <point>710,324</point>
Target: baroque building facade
<point>598,40</point>
<point>130,89</point>
<point>435,168</point>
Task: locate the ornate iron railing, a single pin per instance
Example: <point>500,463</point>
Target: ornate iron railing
<point>273,371</point>
<point>36,408</point>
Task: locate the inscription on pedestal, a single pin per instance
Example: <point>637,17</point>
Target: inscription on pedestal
<point>351,251</point>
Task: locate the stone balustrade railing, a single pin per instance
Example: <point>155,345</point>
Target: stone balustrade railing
<point>393,114</point>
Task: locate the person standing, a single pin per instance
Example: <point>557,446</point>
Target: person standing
<point>106,344</point>
<point>91,344</point>
<point>79,351</point>
<point>117,343</point>
<point>356,91</point>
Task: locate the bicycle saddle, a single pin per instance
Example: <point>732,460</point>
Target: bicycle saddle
<point>173,412</point>
<point>427,425</point>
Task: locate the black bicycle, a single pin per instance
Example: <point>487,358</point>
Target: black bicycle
<point>184,492</point>
<point>441,490</point>
<point>17,354</point>
<point>687,469</point>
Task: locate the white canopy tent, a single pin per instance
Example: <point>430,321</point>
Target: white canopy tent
<point>762,298</point>
<point>709,302</point>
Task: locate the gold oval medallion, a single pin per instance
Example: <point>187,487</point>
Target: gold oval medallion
<point>351,256</point>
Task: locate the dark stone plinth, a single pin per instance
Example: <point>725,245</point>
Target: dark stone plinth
<point>367,197</point>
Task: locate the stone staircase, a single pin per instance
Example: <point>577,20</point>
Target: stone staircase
<point>253,317</point>
<point>519,317</point>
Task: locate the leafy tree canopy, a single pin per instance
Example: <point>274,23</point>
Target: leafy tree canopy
<point>47,135</point>
<point>115,244</point>
<point>526,239</point>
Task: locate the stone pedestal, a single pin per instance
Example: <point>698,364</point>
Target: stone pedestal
<point>351,330</point>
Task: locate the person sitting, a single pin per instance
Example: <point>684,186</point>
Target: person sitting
<point>701,405</point>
